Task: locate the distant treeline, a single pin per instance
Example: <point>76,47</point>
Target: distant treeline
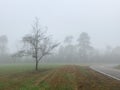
<point>67,52</point>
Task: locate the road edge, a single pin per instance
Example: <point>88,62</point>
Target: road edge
<point>104,73</point>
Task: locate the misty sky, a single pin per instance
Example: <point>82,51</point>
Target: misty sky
<point>99,18</point>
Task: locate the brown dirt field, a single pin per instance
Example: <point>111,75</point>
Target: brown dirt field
<point>72,77</point>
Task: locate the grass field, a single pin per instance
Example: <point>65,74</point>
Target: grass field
<point>117,67</point>
<point>54,77</point>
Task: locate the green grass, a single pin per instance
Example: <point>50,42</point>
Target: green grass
<point>117,67</point>
<point>15,68</point>
<point>22,76</point>
<point>18,68</point>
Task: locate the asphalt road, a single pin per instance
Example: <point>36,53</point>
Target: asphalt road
<point>109,71</point>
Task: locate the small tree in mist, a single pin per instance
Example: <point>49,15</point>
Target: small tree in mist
<point>3,44</point>
<point>68,40</point>
<point>69,48</point>
<point>84,45</point>
<point>37,44</point>
<point>4,52</point>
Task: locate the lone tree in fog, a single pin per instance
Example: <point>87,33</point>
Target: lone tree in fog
<point>68,40</point>
<point>37,44</point>
<point>69,48</point>
<point>84,45</point>
<point>3,44</point>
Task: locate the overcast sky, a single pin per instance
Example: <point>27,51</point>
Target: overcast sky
<point>99,18</point>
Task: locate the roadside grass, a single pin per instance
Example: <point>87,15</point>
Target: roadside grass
<point>96,81</point>
<point>117,67</point>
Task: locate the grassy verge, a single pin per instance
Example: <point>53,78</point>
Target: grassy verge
<point>117,67</point>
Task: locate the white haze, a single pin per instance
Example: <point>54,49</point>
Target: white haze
<point>99,18</point>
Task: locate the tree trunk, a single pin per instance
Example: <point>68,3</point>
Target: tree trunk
<point>36,68</point>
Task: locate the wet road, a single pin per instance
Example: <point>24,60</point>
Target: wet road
<point>109,71</point>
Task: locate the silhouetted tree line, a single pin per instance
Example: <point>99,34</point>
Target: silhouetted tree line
<point>82,52</point>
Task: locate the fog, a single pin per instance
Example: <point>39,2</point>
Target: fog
<point>99,19</point>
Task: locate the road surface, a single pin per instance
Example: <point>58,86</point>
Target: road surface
<point>109,71</point>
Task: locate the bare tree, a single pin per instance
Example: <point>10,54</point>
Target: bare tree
<point>37,44</point>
